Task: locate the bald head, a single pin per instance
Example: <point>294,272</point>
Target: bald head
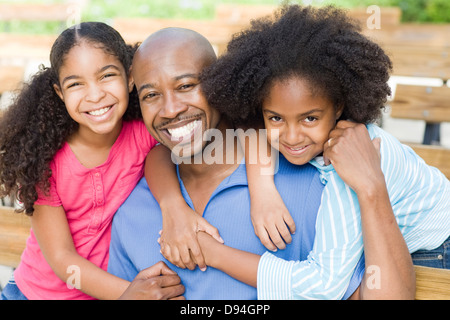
<point>166,71</point>
<point>173,40</point>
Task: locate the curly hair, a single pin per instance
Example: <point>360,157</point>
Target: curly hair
<point>320,45</point>
<point>37,123</point>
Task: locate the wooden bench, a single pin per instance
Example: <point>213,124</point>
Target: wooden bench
<point>417,50</point>
<point>243,14</point>
<point>138,29</point>
<point>421,51</point>
<point>431,283</point>
<point>432,105</point>
<point>14,230</point>
<point>34,11</point>
<point>428,103</point>
<point>435,156</point>
<point>10,77</point>
<point>228,20</point>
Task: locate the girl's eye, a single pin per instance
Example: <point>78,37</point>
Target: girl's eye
<point>310,119</point>
<point>108,75</point>
<point>275,119</point>
<point>72,85</point>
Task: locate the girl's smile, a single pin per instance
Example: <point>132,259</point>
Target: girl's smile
<point>95,88</point>
<point>303,119</point>
<point>295,152</point>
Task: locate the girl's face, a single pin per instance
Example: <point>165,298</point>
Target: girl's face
<point>304,120</point>
<point>94,87</point>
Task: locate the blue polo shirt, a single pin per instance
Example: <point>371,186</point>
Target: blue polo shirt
<point>137,223</point>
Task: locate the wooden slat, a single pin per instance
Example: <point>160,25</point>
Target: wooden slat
<point>138,29</point>
<point>14,230</point>
<point>435,156</point>
<point>389,16</point>
<point>432,283</point>
<point>423,61</point>
<point>242,14</point>
<point>431,104</point>
<point>10,77</point>
<point>18,46</point>
<point>411,34</point>
<point>418,50</point>
<point>34,12</point>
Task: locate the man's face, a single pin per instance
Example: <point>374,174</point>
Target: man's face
<point>172,103</point>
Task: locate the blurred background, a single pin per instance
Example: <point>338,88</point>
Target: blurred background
<point>415,33</point>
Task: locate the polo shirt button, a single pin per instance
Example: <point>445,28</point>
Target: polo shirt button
<point>99,188</point>
<point>97,174</point>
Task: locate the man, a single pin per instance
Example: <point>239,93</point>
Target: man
<point>166,72</point>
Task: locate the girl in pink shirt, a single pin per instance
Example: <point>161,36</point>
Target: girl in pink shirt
<point>72,148</point>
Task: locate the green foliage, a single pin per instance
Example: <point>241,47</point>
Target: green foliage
<point>438,10</point>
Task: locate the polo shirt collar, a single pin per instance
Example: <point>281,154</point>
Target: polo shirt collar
<point>237,178</point>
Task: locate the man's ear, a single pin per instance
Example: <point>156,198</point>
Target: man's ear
<point>58,91</point>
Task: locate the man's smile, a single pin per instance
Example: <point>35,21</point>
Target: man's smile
<point>185,131</point>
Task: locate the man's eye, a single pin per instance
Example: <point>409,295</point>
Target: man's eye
<point>149,96</point>
<point>186,86</point>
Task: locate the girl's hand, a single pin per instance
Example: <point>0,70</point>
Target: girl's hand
<point>355,157</point>
<point>271,220</point>
<point>179,237</point>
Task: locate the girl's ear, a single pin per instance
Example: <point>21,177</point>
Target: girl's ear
<point>130,81</point>
<point>58,92</point>
<point>339,111</point>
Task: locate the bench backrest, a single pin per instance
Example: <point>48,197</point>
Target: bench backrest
<point>14,230</point>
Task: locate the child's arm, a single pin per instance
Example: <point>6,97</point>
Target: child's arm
<point>241,265</point>
<point>358,163</point>
<point>180,222</point>
<point>52,232</point>
<point>271,220</point>
<point>381,236</point>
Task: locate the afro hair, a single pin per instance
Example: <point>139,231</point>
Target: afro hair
<point>320,45</point>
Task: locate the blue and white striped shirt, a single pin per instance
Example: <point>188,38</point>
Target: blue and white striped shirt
<point>420,198</point>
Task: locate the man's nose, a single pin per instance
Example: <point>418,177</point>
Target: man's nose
<point>172,106</point>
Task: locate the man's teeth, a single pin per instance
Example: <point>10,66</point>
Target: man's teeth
<point>185,130</point>
<point>99,112</point>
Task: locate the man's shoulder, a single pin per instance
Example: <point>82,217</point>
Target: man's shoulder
<point>291,171</point>
<point>139,201</point>
<point>297,179</point>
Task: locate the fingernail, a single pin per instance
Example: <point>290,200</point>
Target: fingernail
<point>203,269</point>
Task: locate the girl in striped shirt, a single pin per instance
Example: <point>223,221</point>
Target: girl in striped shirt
<point>299,75</point>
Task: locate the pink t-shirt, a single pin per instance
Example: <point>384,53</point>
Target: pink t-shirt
<point>90,198</point>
